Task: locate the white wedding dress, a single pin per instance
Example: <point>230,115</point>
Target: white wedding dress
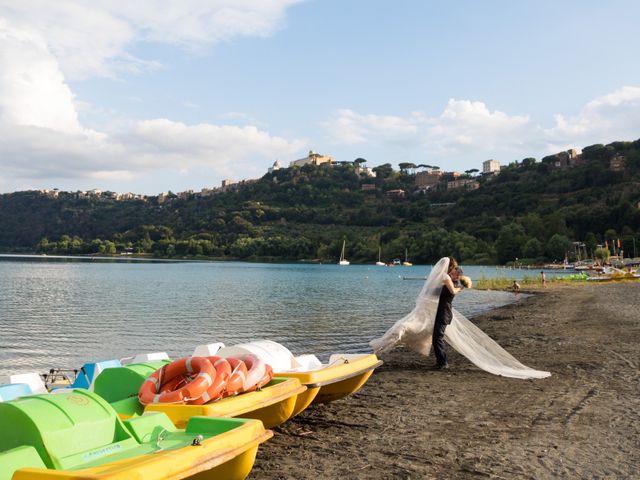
<point>414,331</point>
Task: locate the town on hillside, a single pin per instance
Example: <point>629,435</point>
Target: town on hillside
<point>427,177</point>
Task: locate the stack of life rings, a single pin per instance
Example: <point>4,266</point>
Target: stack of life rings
<point>200,380</point>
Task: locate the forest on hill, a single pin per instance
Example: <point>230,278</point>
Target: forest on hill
<point>531,210</point>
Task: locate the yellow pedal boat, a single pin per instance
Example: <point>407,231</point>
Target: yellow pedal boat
<point>77,435</point>
<point>273,404</point>
<point>343,375</point>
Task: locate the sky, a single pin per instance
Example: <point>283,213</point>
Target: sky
<point>149,96</point>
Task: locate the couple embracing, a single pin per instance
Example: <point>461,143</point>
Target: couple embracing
<point>434,320</point>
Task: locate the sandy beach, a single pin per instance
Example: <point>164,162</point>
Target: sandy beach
<point>410,421</point>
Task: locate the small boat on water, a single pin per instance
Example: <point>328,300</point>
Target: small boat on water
<point>406,262</point>
<point>613,273</point>
<point>343,260</point>
<point>380,263</point>
<point>77,434</point>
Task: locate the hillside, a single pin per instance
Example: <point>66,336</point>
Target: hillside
<point>530,209</point>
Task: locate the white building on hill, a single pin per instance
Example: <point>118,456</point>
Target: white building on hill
<point>490,166</point>
<point>313,159</point>
<point>276,166</point>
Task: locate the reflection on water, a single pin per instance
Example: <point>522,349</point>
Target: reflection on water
<point>63,314</point>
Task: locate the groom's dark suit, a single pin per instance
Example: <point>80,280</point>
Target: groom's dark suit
<point>444,315</point>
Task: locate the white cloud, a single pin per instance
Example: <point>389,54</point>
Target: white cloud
<point>44,43</point>
<point>223,142</point>
<point>350,127</point>
<point>468,130</point>
<point>615,116</point>
<point>91,38</point>
<point>32,87</point>
<point>150,146</point>
<point>464,125</point>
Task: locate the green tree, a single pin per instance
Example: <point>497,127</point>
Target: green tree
<point>109,247</point>
<point>558,247</point>
<point>405,166</point>
<point>96,246</point>
<point>509,243</point>
<point>610,235</point>
<point>43,246</point>
<point>591,242</point>
<point>532,249</point>
<point>534,226</point>
<point>556,223</point>
<point>383,171</point>
<point>602,254</point>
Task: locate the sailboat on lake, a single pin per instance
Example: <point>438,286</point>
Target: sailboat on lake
<point>406,262</point>
<point>343,261</point>
<point>379,263</point>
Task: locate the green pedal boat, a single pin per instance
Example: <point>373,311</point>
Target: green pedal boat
<point>78,435</point>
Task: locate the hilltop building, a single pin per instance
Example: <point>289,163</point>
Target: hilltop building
<point>184,195</point>
<point>276,166</point>
<point>362,170</point>
<point>312,159</point>
<point>490,166</point>
<point>395,193</point>
<point>563,160</point>
<point>427,180</point>
<point>50,193</point>
<point>128,196</point>
<point>465,183</point>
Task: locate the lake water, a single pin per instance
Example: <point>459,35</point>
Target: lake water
<point>62,314</point>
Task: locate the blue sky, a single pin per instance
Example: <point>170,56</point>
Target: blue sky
<point>151,96</point>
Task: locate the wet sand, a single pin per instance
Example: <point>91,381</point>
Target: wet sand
<point>410,421</point>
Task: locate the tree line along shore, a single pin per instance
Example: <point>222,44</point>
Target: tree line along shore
<point>530,211</point>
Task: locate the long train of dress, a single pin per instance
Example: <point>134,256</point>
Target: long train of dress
<point>415,331</point>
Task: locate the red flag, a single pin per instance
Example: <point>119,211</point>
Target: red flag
<point>618,243</point>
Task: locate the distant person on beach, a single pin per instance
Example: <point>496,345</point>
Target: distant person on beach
<point>543,279</point>
<point>418,330</point>
<point>515,287</point>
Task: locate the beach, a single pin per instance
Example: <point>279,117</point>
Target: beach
<point>410,421</point>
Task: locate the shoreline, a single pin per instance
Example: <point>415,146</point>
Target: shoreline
<point>267,259</point>
<point>410,421</point>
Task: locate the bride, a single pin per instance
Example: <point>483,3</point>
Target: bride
<point>415,332</point>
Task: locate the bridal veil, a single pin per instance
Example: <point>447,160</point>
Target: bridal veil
<point>415,329</point>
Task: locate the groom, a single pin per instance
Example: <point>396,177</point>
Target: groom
<point>444,314</point>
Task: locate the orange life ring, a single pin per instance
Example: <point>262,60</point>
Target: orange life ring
<point>268,375</point>
<point>223,371</point>
<point>235,383</point>
<point>151,390</point>
<point>257,372</point>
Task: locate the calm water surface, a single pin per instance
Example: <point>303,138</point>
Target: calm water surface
<point>63,314</point>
